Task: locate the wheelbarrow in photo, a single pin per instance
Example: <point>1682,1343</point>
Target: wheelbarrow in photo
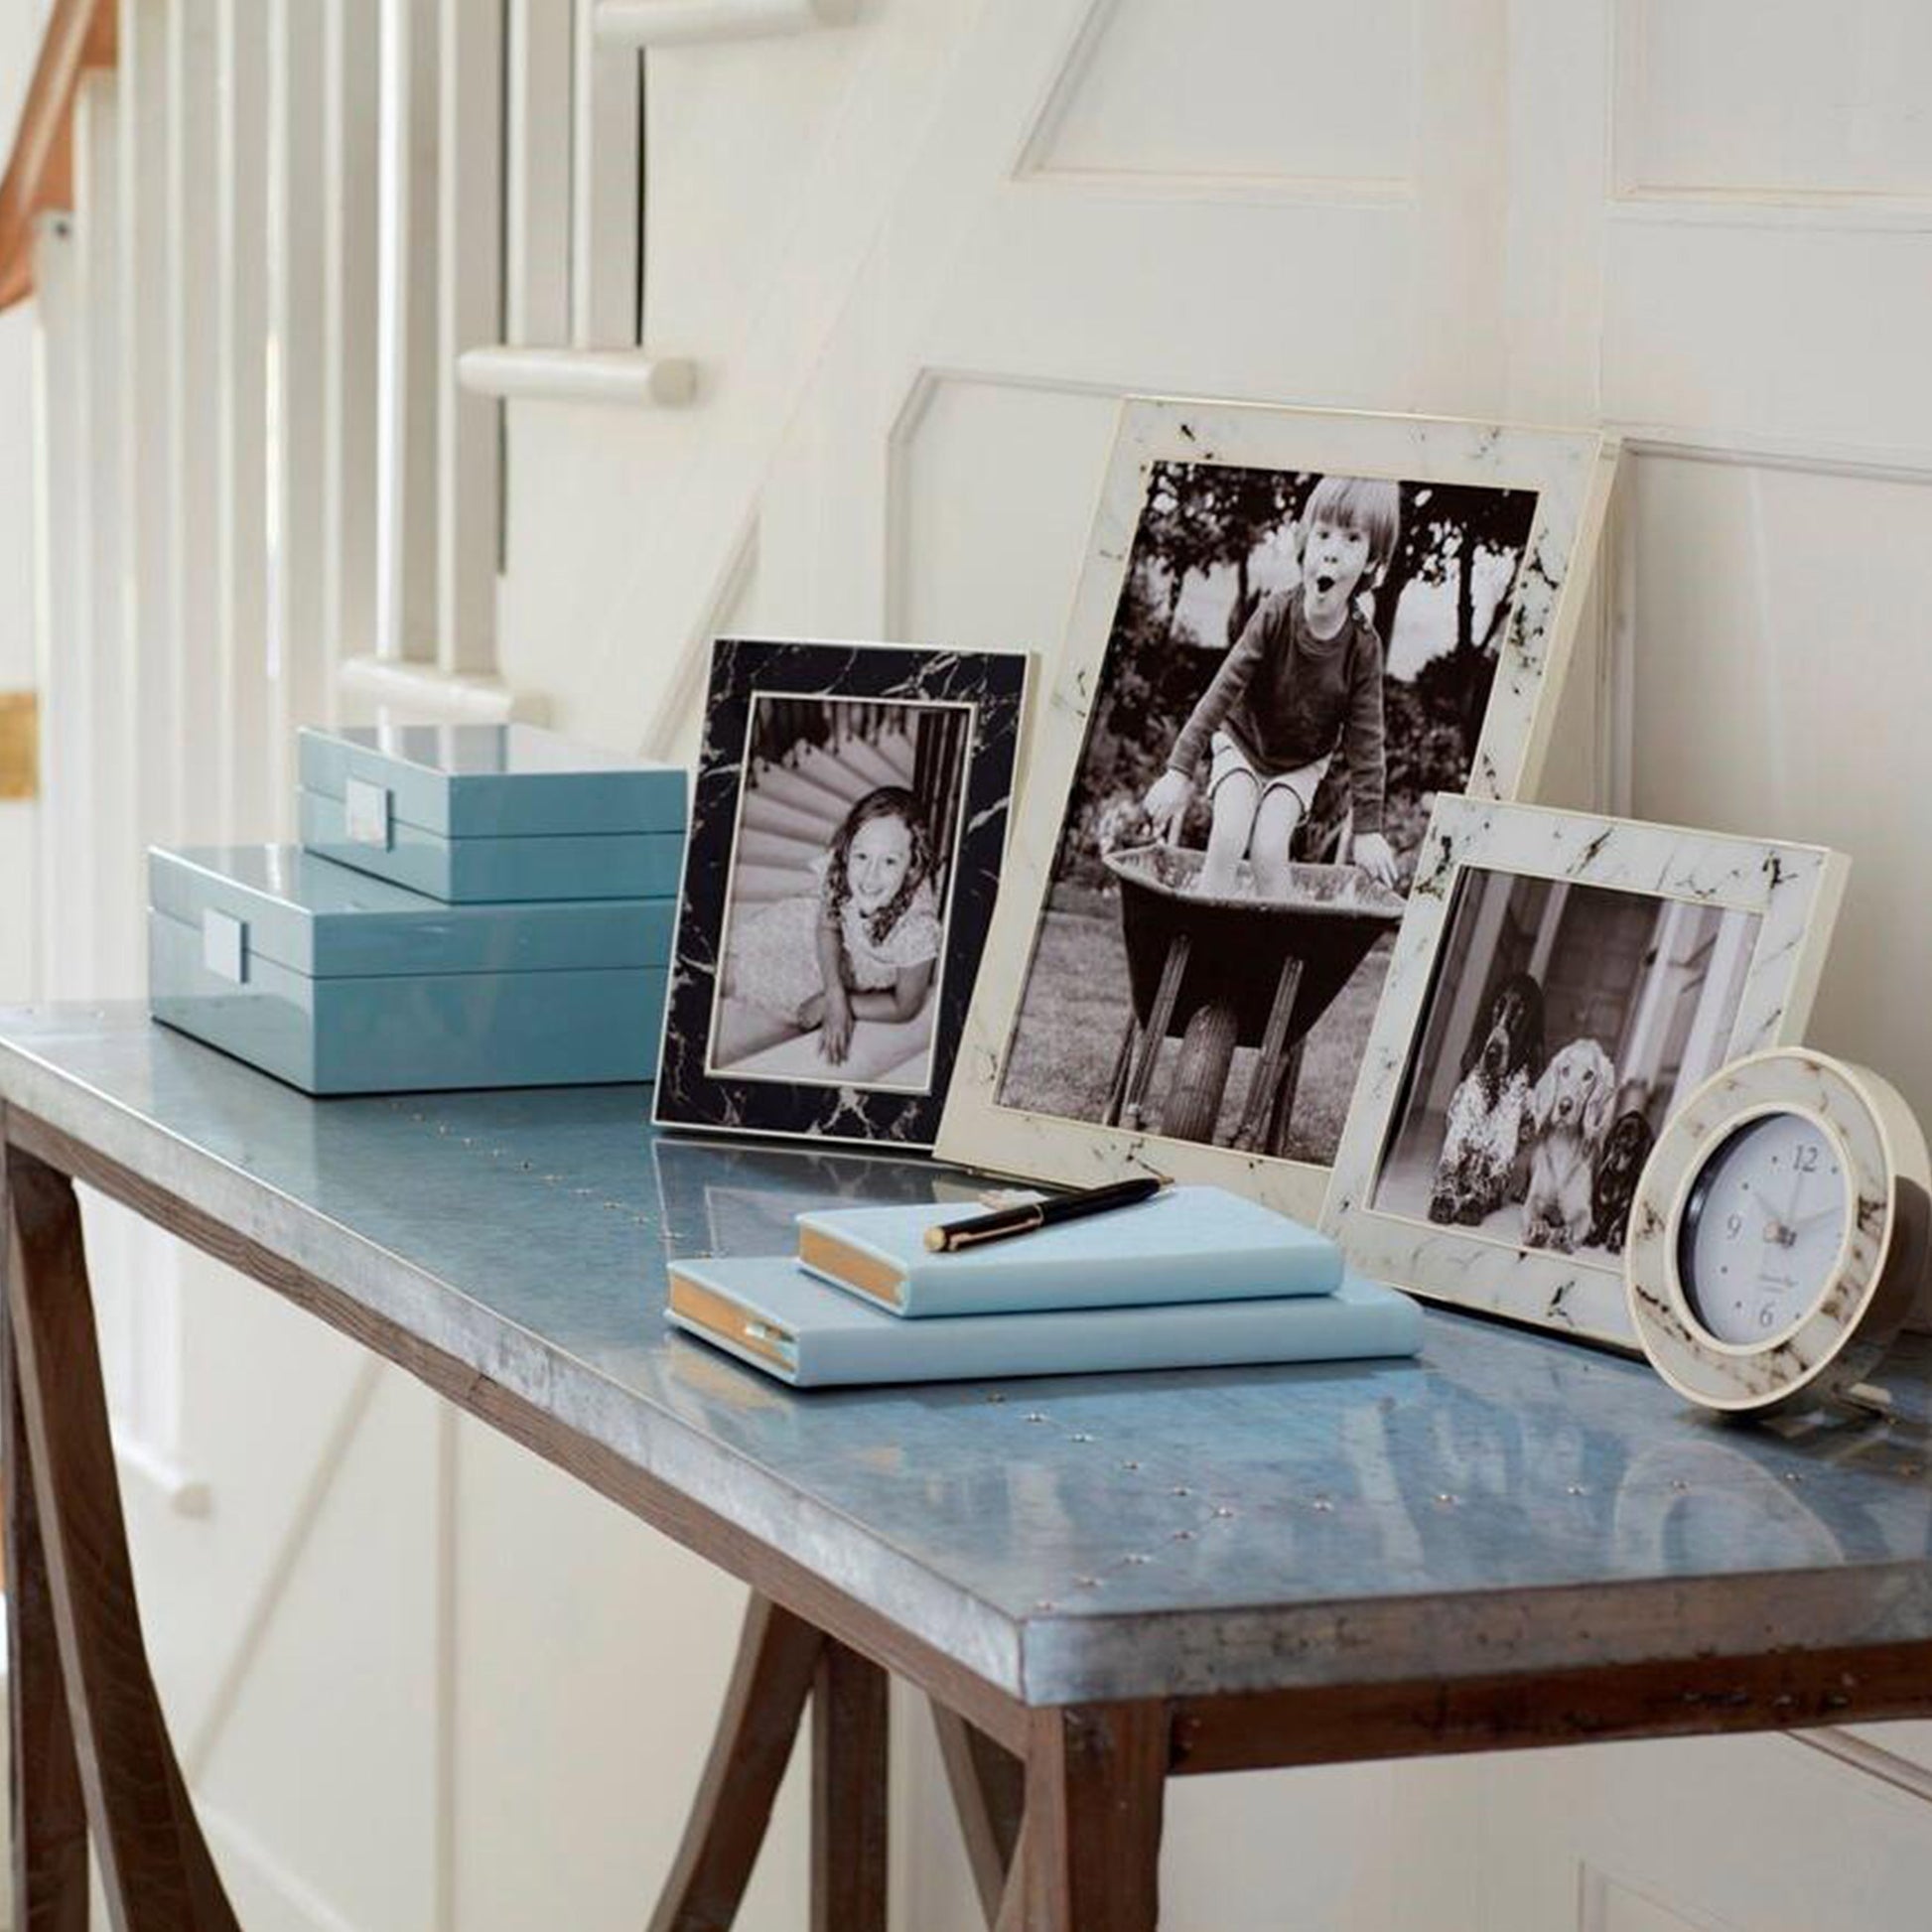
<point>1228,972</point>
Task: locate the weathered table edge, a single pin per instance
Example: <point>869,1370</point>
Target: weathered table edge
<point>653,1441</point>
<point>1048,1659</point>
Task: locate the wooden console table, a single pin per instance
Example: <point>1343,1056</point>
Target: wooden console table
<point>1098,1583</point>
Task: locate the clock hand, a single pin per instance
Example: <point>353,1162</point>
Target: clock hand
<point>1817,1214</point>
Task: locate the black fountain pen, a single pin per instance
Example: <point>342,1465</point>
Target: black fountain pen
<point>1005,1222</point>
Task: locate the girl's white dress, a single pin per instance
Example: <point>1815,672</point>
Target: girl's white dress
<point>774,953</point>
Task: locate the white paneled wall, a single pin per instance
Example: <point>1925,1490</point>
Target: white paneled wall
<point>811,316</point>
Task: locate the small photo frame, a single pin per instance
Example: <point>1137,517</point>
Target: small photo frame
<point>847,832</point>
<point>1560,984</point>
<point>1293,628</point>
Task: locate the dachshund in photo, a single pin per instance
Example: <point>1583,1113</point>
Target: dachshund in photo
<point>1569,1114</point>
<point>1489,1115</point>
<point>1626,1146</point>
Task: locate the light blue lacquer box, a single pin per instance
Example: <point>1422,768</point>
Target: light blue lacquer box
<point>492,812</point>
<point>339,982</point>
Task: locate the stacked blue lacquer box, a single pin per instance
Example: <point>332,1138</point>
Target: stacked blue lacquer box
<point>472,906</point>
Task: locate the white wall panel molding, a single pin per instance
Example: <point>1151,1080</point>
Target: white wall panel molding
<point>262,1886</point>
<point>1145,102</point>
<point>1880,462</point>
<point>184,1492</point>
<point>623,377</point>
<point>668,22</point>
<point>674,726</point>
<point>293,1539</point>
<point>964,418</point>
<point>1863,1755</point>
<point>1804,110</point>
<point>1734,333</point>
<point>1607,1904</point>
<point>1838,215</point>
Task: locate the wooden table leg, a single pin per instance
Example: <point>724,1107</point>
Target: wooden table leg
<point>849,1756</point>
<point>777,1660</point>
<point>153,1858</point>
<point>1096,1779</point>
<point>989,1793</point>
<point>1013,1901</point>
<point>49,1816</point>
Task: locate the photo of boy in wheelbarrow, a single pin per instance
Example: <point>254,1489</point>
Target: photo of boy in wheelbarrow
<point>1304,679</point>
<point>1232,856</point>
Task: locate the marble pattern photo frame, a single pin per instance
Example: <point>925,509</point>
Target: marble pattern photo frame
<point>1455,617</point>
<point>1560,983</point>
<point>848,825</point>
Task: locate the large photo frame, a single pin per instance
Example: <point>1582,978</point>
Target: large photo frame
<point>1293,628</point>
<point>1561,982</point>
<point>848,828</point>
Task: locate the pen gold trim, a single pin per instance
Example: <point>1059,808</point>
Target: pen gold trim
<point>947,1241</point>
<point>951,1236</point>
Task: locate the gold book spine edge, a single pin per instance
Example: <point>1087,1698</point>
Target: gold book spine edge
<point>879,1280</point>
<point>730,1321</point>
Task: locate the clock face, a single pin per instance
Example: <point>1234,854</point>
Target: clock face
<point>1762,1229</point>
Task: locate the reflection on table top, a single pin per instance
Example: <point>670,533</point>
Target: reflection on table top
<point>1507,1501</point>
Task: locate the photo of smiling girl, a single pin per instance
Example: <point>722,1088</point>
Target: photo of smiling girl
<point>836,927</point>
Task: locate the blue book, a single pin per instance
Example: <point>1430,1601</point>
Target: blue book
<point>768,1312</point>
<point>1186,1244</point>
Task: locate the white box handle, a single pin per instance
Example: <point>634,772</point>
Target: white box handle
<point>225,946</point>
<point>365,808</point>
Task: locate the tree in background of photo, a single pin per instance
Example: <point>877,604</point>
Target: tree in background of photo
<point>1204,518</point>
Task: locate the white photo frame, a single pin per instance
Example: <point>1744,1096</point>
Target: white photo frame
<point>991,1121</point>
<point>1727,965</point>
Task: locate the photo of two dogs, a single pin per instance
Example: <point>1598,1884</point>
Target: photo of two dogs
<point>1563,1024</point>
<point>1550,1137</point>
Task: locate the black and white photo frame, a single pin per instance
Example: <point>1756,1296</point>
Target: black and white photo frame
<point>1111,1032</point>
<point>848,827</point>
<point>1561,983</point>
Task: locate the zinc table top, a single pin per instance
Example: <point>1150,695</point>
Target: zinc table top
<point>1507,1501</point>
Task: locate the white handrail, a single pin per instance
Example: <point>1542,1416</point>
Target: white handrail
<point>621,375</point>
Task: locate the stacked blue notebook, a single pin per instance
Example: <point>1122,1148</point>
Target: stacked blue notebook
<point>1194,1278</point>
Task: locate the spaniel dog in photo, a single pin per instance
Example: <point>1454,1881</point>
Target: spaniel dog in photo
<point>1489,1110</point>
<point>1570,1113</point>
<point>1626,1146</point>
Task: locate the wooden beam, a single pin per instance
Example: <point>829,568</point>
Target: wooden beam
<point>1096,1787</point>
<point>81,34</point>
<point>49,1813</point>
<point>154,1861</point>
<point>989,1793</point>
<point>850,1728</point>
<point>778,1659</point>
